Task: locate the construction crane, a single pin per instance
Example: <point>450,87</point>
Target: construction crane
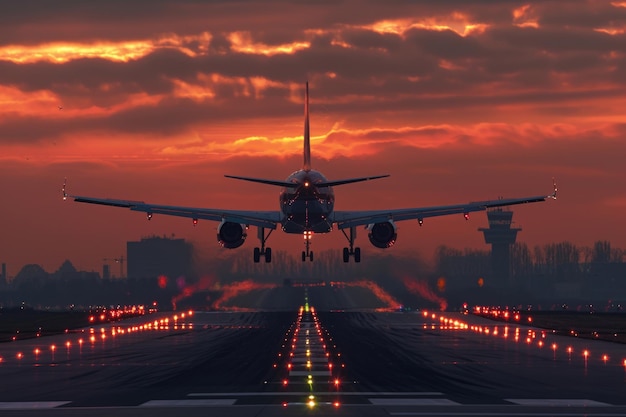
<point>120,261</point>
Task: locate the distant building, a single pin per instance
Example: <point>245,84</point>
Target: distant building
<point>155,256</point>
<point>500,236</point>
<point>106,271</point>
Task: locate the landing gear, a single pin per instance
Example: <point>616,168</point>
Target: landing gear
<point>351,251</point>
<point>263,251</point>
<point>307,242</point>
<point>267,254</point>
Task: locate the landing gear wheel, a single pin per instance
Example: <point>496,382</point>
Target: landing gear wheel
<point>311,256</point>
<point>263,251</point>
<point>268,255</point>
<point>257,255</point>
<point>303,256</point>
<point>351,251</point>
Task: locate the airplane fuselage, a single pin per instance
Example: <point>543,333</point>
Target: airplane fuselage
<point>307,208</point>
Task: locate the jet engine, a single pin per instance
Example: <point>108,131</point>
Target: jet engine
<point>231,235</point>
<point>382,235</point>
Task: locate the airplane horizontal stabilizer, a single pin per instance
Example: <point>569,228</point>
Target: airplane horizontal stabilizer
<point>264,181</point>
<point>348,181</point>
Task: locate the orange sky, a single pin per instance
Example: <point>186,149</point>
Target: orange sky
<point>459,101</point>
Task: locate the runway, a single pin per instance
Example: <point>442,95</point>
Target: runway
<point>357,363</point>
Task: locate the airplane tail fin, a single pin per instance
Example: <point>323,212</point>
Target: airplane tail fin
<point>307,137</point>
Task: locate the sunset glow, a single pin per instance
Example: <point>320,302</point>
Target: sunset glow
<point>458,102</point>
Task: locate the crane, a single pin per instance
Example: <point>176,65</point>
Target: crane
<point>120,261</point>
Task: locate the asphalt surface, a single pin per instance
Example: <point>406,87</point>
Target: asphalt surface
<point>309,362</point>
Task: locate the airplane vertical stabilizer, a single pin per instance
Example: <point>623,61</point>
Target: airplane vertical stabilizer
<point>307,137</point>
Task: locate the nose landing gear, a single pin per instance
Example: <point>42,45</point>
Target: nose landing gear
<point>307,243</point>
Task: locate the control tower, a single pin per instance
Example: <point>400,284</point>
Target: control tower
<point>500,236</point>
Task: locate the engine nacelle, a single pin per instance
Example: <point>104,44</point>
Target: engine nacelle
<point>382,235</point>
<point>231,235</point>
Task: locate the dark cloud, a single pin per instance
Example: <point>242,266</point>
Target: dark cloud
<point>589,14</point>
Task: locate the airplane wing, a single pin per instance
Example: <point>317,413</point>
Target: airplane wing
<point>266,219</point>
<point>347,219</point>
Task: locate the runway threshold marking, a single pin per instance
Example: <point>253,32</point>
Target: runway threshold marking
<point>346,393</point>
<point>31,405</point>
<point>557,402</point>
<point>584,413</point>
<point>189,403</point>
<point>411,401</point>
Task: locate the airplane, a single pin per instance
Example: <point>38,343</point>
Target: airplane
<point>306,208</point>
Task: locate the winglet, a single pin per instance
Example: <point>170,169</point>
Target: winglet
<point>64,189</point>
<point>553,195</point>
<point>307,137</point>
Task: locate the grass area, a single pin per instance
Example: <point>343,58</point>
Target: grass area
<point>601,326</point>
<point>27,323</point>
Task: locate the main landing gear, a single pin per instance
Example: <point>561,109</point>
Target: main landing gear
<point>263,251</point>
<point>351,251</point>
<point>307,242</point>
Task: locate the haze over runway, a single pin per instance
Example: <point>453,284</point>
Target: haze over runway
<point>315,362</point>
